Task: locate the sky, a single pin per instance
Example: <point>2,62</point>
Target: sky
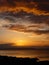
<point>24,22</point>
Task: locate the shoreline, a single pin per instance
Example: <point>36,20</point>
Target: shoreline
<point>18,61</point>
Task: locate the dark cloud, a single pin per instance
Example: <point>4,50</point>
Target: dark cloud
<point>40,0</point>
<point>4,46</point>
<point>25,16</point>
<point>39,19</point>
<point>25,22</point>
<point>17,27</point>
<point>8,46</point>
<point>35,6</point>
<point>41,31</point>
<point>37,29</point>
<point>43,6</point>
<point>11,3</point>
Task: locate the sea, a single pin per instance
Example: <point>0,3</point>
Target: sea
<point>40,54</point>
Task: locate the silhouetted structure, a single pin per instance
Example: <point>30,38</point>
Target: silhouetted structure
<point>21,61</point>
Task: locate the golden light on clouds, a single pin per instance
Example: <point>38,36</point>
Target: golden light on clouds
<point>24,22</point>
<point>38,8</point>
<point>23,39</point>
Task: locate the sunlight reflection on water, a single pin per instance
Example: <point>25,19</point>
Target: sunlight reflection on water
<point>41,54</point>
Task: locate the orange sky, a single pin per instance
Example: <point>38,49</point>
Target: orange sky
<point>24,22</point>
<point>23,39</point>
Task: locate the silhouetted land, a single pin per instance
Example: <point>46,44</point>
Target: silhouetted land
<point>21,61</point>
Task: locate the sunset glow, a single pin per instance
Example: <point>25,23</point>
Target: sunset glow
<point>24,31</point>
<point>24,22</point>
<point>20,43</point>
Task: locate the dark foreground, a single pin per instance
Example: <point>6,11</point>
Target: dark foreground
<point>21,61</point>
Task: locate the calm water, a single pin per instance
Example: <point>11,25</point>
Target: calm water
<point>41,54</point>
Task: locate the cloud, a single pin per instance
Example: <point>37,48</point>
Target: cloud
<point>4,46</point>
<point>35,28</point>
<point>8,46</point>
<point>22,15</point>
<point>25,22</point>
<point>35,6</point>
<point>41,31</point>
<point>17,27</point>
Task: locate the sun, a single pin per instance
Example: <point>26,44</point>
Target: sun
<point>20,42</point>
